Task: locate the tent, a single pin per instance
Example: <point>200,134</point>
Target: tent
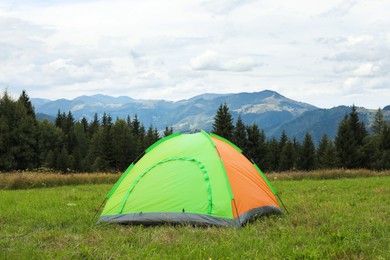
<point>196,178</point>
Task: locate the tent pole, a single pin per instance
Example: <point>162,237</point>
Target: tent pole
<point>238,216</point>
<point>97,211</point>
<point>284,206</point>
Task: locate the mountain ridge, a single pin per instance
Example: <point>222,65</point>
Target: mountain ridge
<point>269,109</point>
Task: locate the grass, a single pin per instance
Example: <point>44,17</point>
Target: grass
<point>329,219</point>
<point>29,180</point>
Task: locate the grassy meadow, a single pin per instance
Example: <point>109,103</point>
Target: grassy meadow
<point>342,218</point>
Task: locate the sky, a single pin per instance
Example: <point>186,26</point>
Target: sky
<point>325,53</point>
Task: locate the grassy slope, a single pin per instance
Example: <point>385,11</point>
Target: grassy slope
<point>344,218</point>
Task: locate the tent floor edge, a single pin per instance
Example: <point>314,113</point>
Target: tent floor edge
<point>173,218</point>
<point>256,213</point>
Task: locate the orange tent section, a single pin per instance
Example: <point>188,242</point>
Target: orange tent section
<point>250,190</point>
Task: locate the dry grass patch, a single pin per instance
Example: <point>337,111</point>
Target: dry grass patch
<point>29,180</point>
<point>326,174</point>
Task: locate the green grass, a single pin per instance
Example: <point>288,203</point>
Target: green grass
<point>329,219</point>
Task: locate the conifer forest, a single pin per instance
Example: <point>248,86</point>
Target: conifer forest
<point>105,144</point>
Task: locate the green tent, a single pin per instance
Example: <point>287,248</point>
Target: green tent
<point>195,178</point>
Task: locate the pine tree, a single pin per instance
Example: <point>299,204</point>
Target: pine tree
<point>326,154</point>
<point>307,154</point>
<point>141,139</point>
<point>283,140</point>
<point>379,122</point>
<point>297,151</point>
<point>240,137</point>
<point>60,121</point>
<point>51,141</point>
<point>385,147</point>
<point>123,143</point>
<point>287,157</point>
<point>81,149</point>
<point>136,126</point>
<point>253,143</point>
<point>272,155</point>
<point>8,120</point>
<point>94,126</point>
<point>168,131</point>
<point>358,128</point>
<point>19,148</point>
<point>24,100</point>
<point>62,162</point>
<point>223,122</point>
<point>84,123</point>
<point>349,141</point>
<point>152,136</point>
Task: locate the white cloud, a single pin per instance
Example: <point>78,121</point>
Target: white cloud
<point>317,52</point>
<point>366,70</point>
<point>242,64</point>
<point>211,60</point>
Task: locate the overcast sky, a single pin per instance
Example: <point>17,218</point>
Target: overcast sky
<point>326,53</point>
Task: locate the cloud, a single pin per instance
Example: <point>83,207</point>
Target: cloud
<point>340,9</point>
<point>242,64</point>
<point>313,51</point>
<point>211,60</point>
<point>223,7</point>
<point>366,70</point>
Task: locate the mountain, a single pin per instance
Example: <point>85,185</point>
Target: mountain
<point>266,108</point>
<point>269,109</point>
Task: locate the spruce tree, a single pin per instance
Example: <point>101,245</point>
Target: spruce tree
<point>223,122</point>
<point>287,154</point>
<point>81,149</point>
<point>94,126</point>
<point>123,145</point>
<point>51,141</point>
<point>168,131</point>
<point>283,140</point>
<point>326,154</point>
<point>297,147</point>
<point>19,141</point>
<point>62,161</point>
<point>152,136</point>
<point>272,155</point>
<point>254,144</point>
<point>379,123</point>
<point>358,128</point>
<point>307,154</point>
<point>349,141</point>
<point>24,100</point>
<point>240,137</point>
<point>136,126</point>
<point>385,147</point>
<point>8,121</point>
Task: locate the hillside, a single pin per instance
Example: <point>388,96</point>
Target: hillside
<point>270,110</point>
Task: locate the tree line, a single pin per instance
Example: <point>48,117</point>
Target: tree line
<point>353,147</point>
<point>104,144</point>
<point>68,144</point>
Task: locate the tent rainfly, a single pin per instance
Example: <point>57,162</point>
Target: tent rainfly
<point>198,178</point>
